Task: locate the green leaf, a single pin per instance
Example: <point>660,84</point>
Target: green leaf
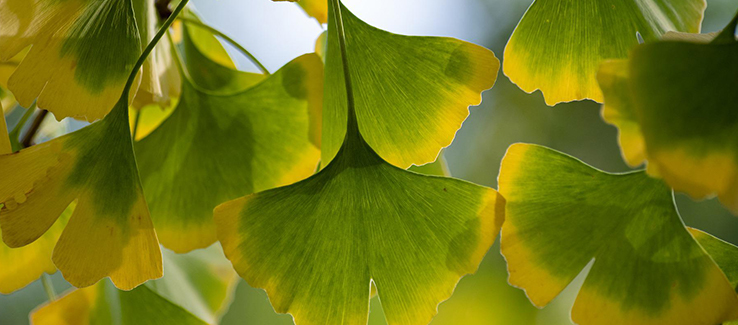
<point>558,45</point>
<point>319,246</point>
<point>411,93</point>
<point>216,147</point>
<point>561,214</point>
<point>724,254</point>
<point>209,65</point>
<point>673,103</point>
<point>81,54</point>
<point>110,232</point>
<point>196,289</point>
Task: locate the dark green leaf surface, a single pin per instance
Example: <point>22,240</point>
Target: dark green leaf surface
<point>219,144</point>
<point>674,102</point>
<point>561,214</point>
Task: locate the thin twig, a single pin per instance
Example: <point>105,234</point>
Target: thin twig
<point>31,133</point>
<point>48,286</point>
<point>235,44</point>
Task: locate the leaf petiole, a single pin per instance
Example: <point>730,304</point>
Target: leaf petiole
<point>341,35</point>
<point>27,140</point>
<point>235,44</point>
<point>48,286</point>
<point>151,45</point>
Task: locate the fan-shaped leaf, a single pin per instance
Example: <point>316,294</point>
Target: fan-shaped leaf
<point>558,45</point>
<point>316,246</point>
<point>413,95</point>
<point>110,232</point>
<point>673,102</point>
<point>561,214</point>
<point>217,147</point>
<point>319,245</point>
<point>81,55</point>
<point>195,289</point>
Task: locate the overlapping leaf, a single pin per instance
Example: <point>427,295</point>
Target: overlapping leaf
<point>558,45</point>
<point>414,94</point>
<point>110,232</point>
<point>21,266</point>
<point>673,102</point>
<point>81,54</point>
<point>561,214</point>
<point>319,245</point>
<point>196,289</point>
<point>218,146</point>
<point>724,254</point>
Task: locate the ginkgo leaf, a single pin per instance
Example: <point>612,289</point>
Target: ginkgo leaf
<point>217,147</point>
<point>195,289</point>
<point>317,9</point>
<point>319,246</point>
<point>7,68</point>
<point>673,103</point>
<point>82,52</point>
<point>561,214</point>
<point>21,266</point>
<point>412,93</point>
<point>724,254</point>
<point>209,65</point>
<point>110,232</point>
<point>558,45</point>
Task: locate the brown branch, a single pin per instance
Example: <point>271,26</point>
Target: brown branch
<point>27,140</point>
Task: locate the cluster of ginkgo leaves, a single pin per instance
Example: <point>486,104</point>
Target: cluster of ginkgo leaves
<point>323,183</point>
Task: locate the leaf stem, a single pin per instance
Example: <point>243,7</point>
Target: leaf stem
<point>151,45</point>
<point>31,133</point>
<point>341,35</point>
<point>235,44</point>
<point>48,286</point>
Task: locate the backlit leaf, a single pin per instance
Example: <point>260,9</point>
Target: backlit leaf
<point>319,246</point>
<point>412,93</point>
<point>21,266</point>
<point>110,232</point>
<point>81,55</point>
<point>724,254</point>
<point>561,214</point>
<point>558,45</point>
<point>673,102</point>
<point>316,246</point>
<point>216,147</point>
<point>317,9</point>
<point>195,289</point>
